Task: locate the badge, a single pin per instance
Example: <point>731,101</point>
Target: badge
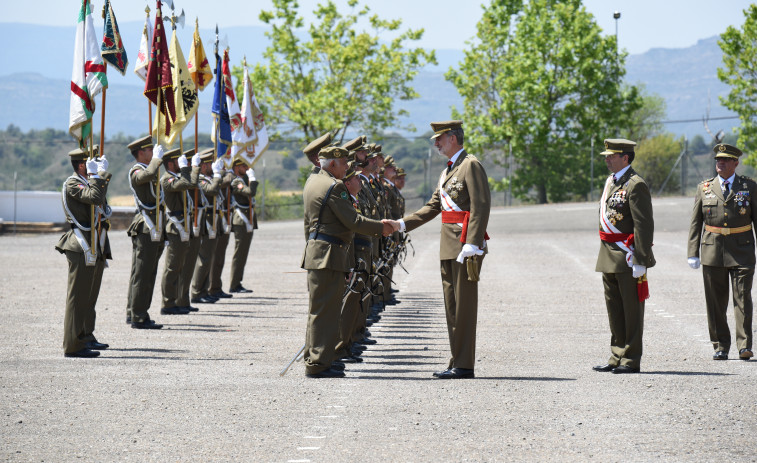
<point>240,186</point>
<point>343,195</point>
<point>742,211</point>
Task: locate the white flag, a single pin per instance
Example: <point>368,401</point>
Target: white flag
<point>143,57</point>
<point>88,76</point>
<point>251,140</point>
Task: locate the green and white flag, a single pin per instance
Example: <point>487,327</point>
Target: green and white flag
<point>87,78</point>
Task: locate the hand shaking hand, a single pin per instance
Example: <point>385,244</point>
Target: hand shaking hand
<point>390,226</point>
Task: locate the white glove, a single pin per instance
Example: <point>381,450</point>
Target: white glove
<point>183,162</point>
<point>638,270</point>
<point>217,167</point>
<point>694,262</point>
<point>196,161</point>
<point>92,166</point>
<point>251,175</point>
<point>158,151</point>
<point>102,165</point>
<point>468,251</point>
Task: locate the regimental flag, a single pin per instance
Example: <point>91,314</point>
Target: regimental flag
<point>143,57</point>
<point>198,65</point>
<point>87,78</point>
<point>159,81</point>
<point>261,145</point>
<point>235,116</point>
<point>184,94</point>
<point>220,133</point>
<point>245,137</point>
<point>112,47</point>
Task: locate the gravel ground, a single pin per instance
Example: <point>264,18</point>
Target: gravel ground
<point>207,386</point>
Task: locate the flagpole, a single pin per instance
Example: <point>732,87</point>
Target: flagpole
<point>158,215</point>
<point>93,232</point>
<point>197,190</point>
<point>186,217</point>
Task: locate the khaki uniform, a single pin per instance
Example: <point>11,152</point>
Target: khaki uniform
<point>326,258</point>
<point>467,180</point>
<point>176,189</point>
<point>725,256</point>
<point>629,208</point>
<point>79,195</point>
<point>222,238</point>
<point>208,188</point>
<point>145,252</point>
<point>243,222</point>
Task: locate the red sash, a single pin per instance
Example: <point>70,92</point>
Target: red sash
<point>460,217</point>
<point>642,286</point>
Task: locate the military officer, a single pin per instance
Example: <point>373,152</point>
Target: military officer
<point>222,236</point>
<point>195,240</point>
<point>244,220</point>
<point>146,232</point>
<point>400,184</point>
<point>723,207</point>
<point>176,182</point>
<point>82,195</point>
<point>626,230</point>
<point>464,200</point>
<point>311,152</point>
<point>211,171</point>
<point>332,220</point>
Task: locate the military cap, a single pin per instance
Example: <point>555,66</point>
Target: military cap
<point>332,152</point>
<point>445,126</point>
<point>401,172</point>
<point>377,149</point>
<point>618,146</point>
<point>240,161</point>
<point>207,155</point>
<point>723,150</point>
<point>350,173</point>
<point>389,161</point>
<point>140,143</point>
<point>356,144</point>
<point>82,154</point>
<point>189,153</point>
<point>315,146</point>
<point>172,154</point>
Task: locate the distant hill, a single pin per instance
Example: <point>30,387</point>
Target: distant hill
<point>36,74</point>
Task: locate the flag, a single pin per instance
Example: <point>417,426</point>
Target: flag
<point>87,78</point>
<point>143,57</point>
<point>261,145</point>
<point>198,65</point>
<point>245,138</point>
<point>159,81</point>
<point>112,47</point>
<point>220,133</point>
<point>184,94</point>
<point>235,116</point>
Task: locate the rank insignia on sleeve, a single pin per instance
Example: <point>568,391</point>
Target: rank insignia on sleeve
<point>343,195</point>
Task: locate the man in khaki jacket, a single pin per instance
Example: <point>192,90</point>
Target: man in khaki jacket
<point>626,229</point>
<point>464,200</point>
<point>244,220</point>
<point>331,220</point>
<point>724,208</point>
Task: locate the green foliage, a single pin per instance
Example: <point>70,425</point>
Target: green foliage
<point>279,206</point>
<point>541,77</point>
<point>500,185</point>
<point>655,158</point>
<point>339,77</point>
<point>304,174</point>
<point>646,121</point>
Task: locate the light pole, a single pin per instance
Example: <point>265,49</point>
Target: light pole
<point>616,15</point>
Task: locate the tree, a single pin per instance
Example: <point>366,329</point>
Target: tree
<point>646,121</point>
<point>337,77</point>
<point>540,77</point>
<point>654,159</point>
<point>740,73</point>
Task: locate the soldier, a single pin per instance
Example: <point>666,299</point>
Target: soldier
<point>464,200</point>
<point>223,205</point>
<point>209,185</point>
<point>176,182</point>
<point>193,203</point>
<point>332,220</point>
<point>400,184</point>
<point>84,194</point>
<point>146,232</point>
<point>626,229</point>
<point>392,212</point>
<point>314,147</point>
<point>244,220</point>
<point>723,207</point>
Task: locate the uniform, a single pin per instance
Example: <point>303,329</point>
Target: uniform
<point>326,258</point>
<point>223,202</point>
<point>722,227</point>
<point>243,222</point>
<point>208,188</point>
<point>462,187</point>
<point>85,265</point>
<point>146,232</point>
<point>625,209</point>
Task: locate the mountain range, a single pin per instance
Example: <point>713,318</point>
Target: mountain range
<point>34,87</point>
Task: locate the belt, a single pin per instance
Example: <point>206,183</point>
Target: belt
<point>326,238</point>
<point>727,231</point>
<point>363,243</point>
<point>460,217</point>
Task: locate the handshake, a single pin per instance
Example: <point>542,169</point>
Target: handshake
<point>390,226</point>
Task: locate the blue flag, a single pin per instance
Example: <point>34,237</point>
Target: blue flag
<point>220,109</point>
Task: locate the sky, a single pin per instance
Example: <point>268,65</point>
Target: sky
<point>643,24</point>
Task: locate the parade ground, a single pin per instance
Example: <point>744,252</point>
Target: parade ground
<point>207,387</point>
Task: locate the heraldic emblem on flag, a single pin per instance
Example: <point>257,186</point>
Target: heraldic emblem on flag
<point>112,47</point>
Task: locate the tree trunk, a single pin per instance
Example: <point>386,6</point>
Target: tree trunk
<point>541,190</point>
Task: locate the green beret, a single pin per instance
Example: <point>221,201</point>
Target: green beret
<point>618,145</point>
<point>445,126</point>
<point>332,152</point>
<point>315,146</point>
<point>723,150</point>
<point>140,143</point>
